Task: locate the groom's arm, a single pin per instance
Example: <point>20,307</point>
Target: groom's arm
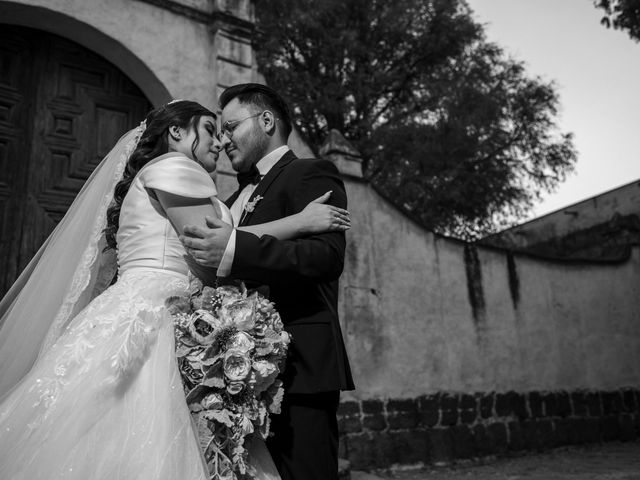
<point>319,257</point>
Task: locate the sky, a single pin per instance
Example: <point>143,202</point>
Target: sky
<point>597,73</point>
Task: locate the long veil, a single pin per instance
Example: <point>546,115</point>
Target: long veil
<point>69,270</point>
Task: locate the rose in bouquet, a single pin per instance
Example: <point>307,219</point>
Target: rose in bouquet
<point>231,347</point>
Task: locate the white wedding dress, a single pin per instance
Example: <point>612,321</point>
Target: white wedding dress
<point>105,401</point>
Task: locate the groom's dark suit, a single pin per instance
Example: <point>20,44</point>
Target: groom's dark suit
<point>302,276</point>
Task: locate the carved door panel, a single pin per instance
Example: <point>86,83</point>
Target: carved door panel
<point>15,111</point>
<point>70,108</point>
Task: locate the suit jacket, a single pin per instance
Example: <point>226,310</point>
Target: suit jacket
<point>302,274</point>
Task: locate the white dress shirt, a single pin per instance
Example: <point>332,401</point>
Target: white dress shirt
<point>237,209</point>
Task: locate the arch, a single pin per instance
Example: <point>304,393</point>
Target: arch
<point>51,21</point>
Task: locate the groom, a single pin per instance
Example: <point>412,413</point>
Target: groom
<point>302,274</point>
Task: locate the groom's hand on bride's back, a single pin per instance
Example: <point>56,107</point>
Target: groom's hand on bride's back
<point>207,244</point>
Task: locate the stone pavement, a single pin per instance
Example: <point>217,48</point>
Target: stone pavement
<point>610,461</point>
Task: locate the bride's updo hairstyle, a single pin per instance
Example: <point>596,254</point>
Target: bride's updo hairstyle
<point>153,143</point>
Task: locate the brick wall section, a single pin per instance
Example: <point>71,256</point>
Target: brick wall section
<point>443,427</point>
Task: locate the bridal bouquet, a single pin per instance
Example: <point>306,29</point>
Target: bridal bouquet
<point>230,346</point>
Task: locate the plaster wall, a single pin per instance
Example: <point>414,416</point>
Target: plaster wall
<point>423,313</point>
<point>624,200</point>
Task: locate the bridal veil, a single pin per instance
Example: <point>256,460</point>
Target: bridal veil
<point>70,269</point>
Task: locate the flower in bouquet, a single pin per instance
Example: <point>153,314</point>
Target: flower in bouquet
<point>263,375</point>
<point>202,326</point>
<point>242,341</point>
<point>236,365</point>
<point>240,313</point>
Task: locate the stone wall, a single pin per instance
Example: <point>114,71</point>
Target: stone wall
<point>462,351</point>
<point>444,427</point>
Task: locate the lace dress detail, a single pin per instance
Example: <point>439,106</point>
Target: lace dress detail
<point>106,400</point>
<point>133,336</point>
<point>92,255</point>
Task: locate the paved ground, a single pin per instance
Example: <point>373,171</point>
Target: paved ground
<point>612,461</point>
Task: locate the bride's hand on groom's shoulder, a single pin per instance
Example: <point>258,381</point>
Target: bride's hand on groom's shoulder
<point>207,244</point>
<point>319,217</point>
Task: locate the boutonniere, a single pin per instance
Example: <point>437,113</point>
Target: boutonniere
<point>251,206</point>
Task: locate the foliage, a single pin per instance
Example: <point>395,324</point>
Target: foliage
<point>621,15</point>
<point>450,129</point>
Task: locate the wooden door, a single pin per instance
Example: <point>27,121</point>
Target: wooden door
<point>62,108</point>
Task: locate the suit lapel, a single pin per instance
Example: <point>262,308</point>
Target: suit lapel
<point>265,183</point>
<point>229,201</point>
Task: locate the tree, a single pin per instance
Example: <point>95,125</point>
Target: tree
<point>450,129</point>
<point>621,15</point>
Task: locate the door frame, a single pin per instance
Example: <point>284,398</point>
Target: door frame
<point>41,18</point>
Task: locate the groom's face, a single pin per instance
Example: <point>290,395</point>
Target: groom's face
<point>242,136</point>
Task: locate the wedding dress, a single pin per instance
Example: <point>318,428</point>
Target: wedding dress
<point>104,399</point>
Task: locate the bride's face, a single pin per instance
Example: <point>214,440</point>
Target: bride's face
<point>208,147</point>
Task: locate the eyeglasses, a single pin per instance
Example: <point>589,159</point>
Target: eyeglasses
<point>229,126</point>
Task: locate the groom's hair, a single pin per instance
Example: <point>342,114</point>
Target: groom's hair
<point>262,97</point>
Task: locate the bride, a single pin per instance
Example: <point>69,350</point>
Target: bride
<point>89,385</point>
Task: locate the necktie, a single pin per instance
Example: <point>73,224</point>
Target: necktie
<point>251,176</point>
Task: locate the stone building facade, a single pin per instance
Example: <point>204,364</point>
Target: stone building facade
<point>76,74</point>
